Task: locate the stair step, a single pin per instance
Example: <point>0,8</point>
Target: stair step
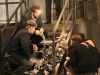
<point>50,27</point>
<point>57,33</point>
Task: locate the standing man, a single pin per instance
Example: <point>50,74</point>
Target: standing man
<point>34,14</point>
<point>20,48</point>
<point>48,10</point>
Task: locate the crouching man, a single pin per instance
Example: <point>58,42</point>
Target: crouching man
<point>20,48</point>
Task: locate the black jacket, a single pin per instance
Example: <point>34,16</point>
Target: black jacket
<point>28,16</point>
<point>20,46</point>
<point>81,59</point>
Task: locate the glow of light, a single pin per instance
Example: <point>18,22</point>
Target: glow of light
<point>39,12</point>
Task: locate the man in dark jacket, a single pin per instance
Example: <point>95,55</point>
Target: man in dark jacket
<point>35,16</point>
<point>20,48</point>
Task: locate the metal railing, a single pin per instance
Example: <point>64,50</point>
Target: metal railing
<point>14,14</point>
<point>7,3</point>
<point>6,33</point>
<point>71,15</point>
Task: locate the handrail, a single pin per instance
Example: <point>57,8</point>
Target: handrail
<point>71,11</point>
<point>62,12</point>
<point>53,34</point>
<point>12,15</point>
<point>5,40</point>
<point>9,3</point>
<point>62,33</point>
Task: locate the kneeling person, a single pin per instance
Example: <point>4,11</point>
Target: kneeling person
<point>20,48</point>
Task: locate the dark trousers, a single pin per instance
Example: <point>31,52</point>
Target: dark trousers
<point>48,8</point>
<point>21,67</point>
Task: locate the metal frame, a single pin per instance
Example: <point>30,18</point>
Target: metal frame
<point>71,14</point>
<point>6,33</point>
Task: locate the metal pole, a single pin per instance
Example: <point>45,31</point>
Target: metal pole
<point>54,55</point>
<point>84,9</point>
<point>72,6</point>
<point>52,8</point>
<point>75,9</point>
<point>28,5</point>
<point>64,14</point>
<point>1,63</point>
<point>16,19</point>
<point>7,10</point>
<point>12,15</point>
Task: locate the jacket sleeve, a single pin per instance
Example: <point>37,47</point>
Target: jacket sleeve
<point>72,56</point>
<point>24,39</point>
<point>39,22</point>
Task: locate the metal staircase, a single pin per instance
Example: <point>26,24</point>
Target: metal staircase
<point>55,30</point>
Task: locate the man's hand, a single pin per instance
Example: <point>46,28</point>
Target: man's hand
<point>35,48</point>
<point>37,32</point>
<point>65,48</point>
<point>32,61</point>
<point>67,58</point>
<point>41,31</point>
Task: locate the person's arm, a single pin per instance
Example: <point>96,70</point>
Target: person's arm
<point>72,55</point>
<point>31,60</point>
<point>39,26</point>
<point>39,22</point>
<point>35,48</point>
<point>64,47</point>
<point>68,69</point>
<point>24,39</point>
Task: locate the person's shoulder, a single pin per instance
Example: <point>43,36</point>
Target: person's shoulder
<point>73,46</point>
<point>90,42</point>
<point>77,45</point>
<point>27,14</point>
<point>23,31</point>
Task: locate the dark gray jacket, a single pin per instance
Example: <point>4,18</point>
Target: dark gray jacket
<point>28,16</point>
<point>81,59</point>
<point>20,46</point>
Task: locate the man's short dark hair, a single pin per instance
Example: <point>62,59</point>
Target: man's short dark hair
<point>34,7</point>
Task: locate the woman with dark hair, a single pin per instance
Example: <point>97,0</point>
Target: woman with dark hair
<point>79,59</point>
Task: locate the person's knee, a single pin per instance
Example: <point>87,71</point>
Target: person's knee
<point>27,63</point>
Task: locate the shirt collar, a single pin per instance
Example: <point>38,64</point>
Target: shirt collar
<point>34,18</point>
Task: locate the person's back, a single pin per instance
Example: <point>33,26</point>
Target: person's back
<point>81,59</point>
<point>19,50</point>
<point>93,50</point>
<point>28,16</point>
<point>15,47</point>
